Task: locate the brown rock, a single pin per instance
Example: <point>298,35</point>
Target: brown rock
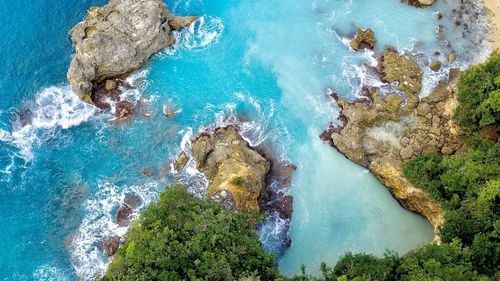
<point>436,65</point>
<point>365,39</point>
<point>111,245</point>
<point>423,109</point>
<point>147,172</point>
<point>380,134</point>
<point>126,210</point>
<point>406,153</point>
<point>110,85</point>
<point>447,150</point>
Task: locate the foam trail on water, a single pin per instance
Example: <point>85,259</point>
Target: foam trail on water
<point>54,109</point>
<point>87,255</point>
<point>201,34</point>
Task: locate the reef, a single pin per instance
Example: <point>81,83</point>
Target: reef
<point>382,132</point>
<point>115,40</point>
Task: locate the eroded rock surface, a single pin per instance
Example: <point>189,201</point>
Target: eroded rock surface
<point>381,133</point>
<point>232,166</point>
<point>117,39</point>
<point>363,39</point>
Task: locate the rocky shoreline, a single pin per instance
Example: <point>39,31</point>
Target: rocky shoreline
<point>382,132</point>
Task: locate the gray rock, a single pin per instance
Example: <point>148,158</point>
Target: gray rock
<point>117,39</point>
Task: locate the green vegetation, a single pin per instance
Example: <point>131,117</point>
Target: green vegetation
<point>479,95</point>
<point>184,238</point>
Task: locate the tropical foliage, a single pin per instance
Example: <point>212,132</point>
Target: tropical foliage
<point>185,238</point>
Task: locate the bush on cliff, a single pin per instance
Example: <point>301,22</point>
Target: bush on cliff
<point>479,95</point>
<point>432,262</point>
<point>184,238</point>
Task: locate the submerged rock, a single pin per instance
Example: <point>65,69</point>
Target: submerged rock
<point>117,39</point>
<point>383,133</point>
<point>365,39</point>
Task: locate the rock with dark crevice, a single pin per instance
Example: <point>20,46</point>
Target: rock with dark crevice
<point>126,210</point>
<point>364,39</point>
<point>111,245</point>
<point>117,39</point>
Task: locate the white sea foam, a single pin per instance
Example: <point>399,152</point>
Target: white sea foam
<point>87,255</point>
<point>48,273</point>
<point>201,34</point>
<point>54,109</point>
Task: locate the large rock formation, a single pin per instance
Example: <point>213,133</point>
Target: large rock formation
<point>235,170</point>
<point>380,133</point>
<point>117,39</point>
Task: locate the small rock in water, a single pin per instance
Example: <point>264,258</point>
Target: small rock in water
<point>169,111</point>
<point>124,111</point>
<point>111,245</point>
<point>123,215</point>
<point>436,65</point>
<point>147,172</point>
<point>365,39</point>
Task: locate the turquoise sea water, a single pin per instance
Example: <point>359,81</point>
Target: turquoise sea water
<point>264,64</point>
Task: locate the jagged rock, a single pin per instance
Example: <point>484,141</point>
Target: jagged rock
<point>232,165</point>
<point>435,65</point>
<point>130,203</point>
<point>181,162</point>
<point>111,245</point>
<point>365,39</point>
<point>381,134</point>
<point>117,39</point>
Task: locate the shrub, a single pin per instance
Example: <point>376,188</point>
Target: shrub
<point>479,95</point>
<point>185,238</point>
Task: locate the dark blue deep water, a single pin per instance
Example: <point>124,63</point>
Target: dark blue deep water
<point>264,64</point>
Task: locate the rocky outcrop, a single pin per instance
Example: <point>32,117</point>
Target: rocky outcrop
<point>364,39</point>
<point>231,166</point>
<point>117,39</point>
<point>419,3</point>
<point>381,133</point>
